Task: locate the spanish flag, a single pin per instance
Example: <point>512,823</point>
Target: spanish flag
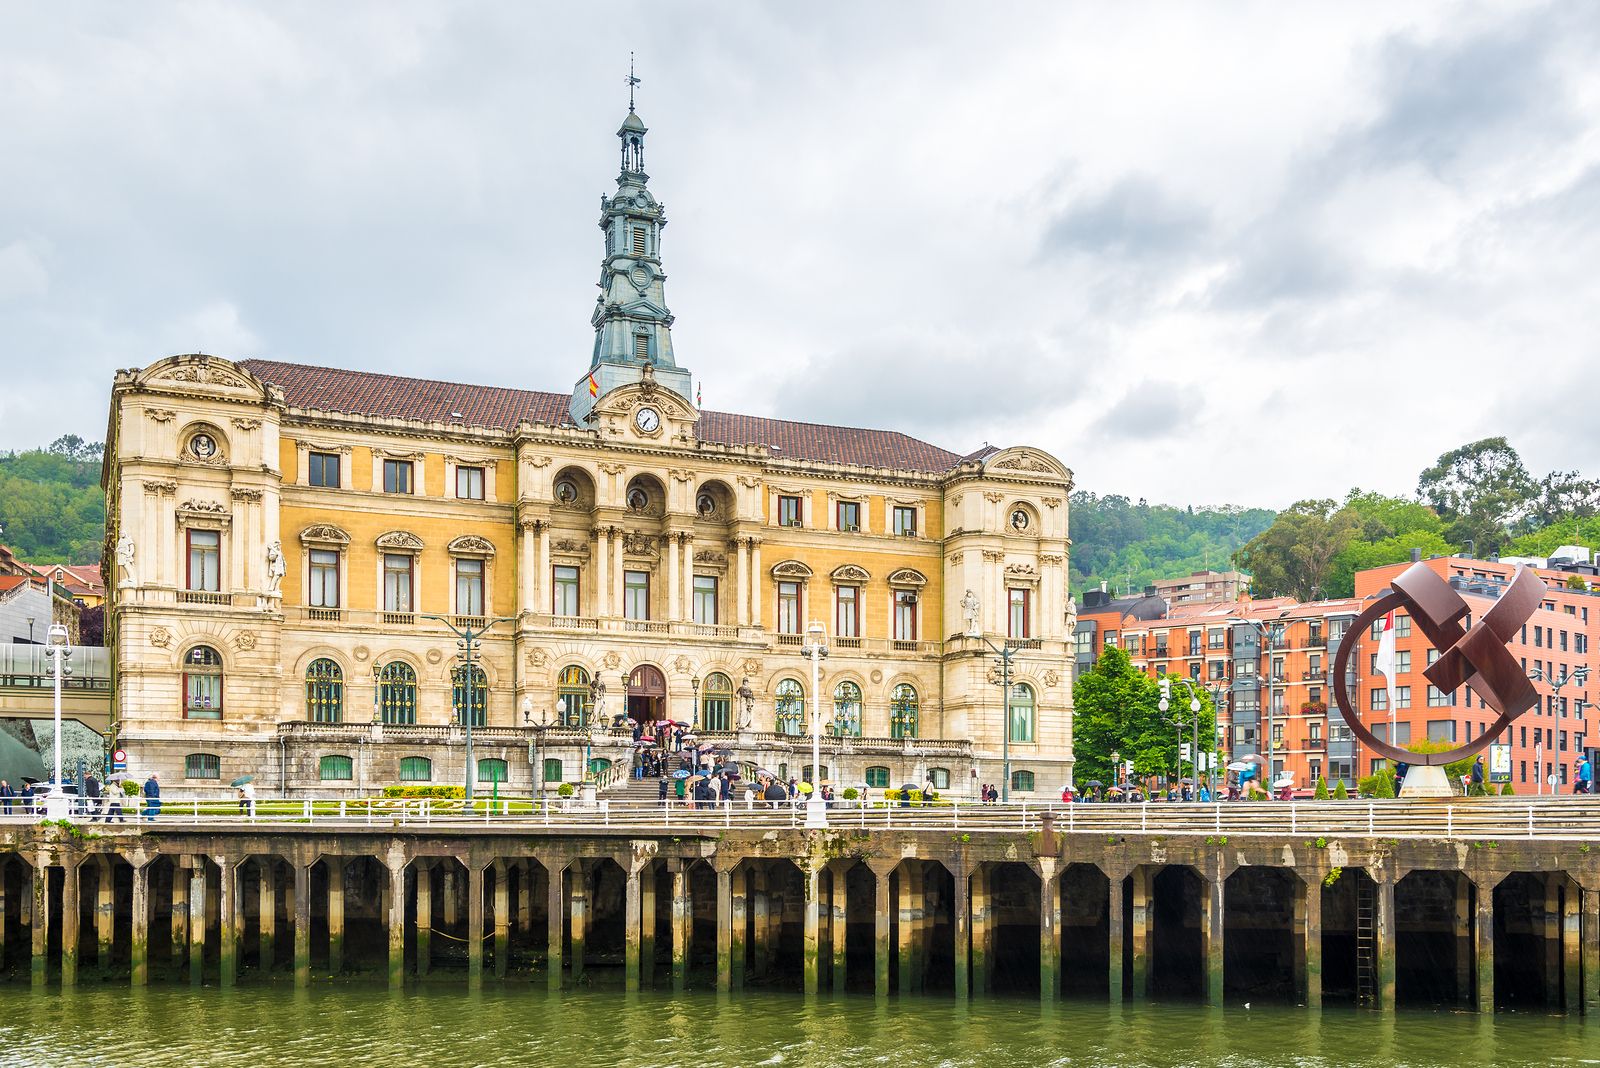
<point>594,385</point>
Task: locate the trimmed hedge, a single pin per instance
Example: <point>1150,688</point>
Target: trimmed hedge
<point>432,790</point>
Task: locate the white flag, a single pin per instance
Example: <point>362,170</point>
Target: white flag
<point>1385,665</point>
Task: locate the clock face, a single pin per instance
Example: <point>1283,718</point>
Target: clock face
<point>648,420</point>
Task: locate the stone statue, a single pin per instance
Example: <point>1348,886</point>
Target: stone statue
<point>970,609</point>
<point>275,567</point>
<point>597,700</point>
<point>125,557</point>
<point>1072,616</point>
<point>747,704</point>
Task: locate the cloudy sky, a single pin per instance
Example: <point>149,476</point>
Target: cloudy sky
<point>1204,254</point>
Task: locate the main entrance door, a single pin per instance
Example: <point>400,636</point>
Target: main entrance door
<point>647,694</point>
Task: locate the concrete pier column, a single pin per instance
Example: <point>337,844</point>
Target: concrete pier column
<point>1483,943</point>
<point>502,919</point>
<point>1309,904</point>
<point>724,869</point>
<point>451,893</point>
<point>881,870</point>
<point>525,898</point>
<point>681,916</point>
<point>813,927</point>
<point>901,890</point>
<point>105,911</point>
<point>1049,926</point>
<point>741,912</point>
<point>336,871</point>
<point>838,921</point>
<point>139,947</point>
<point>963,929</point>
<point>424,917</point>
<point>1213,909</point>
<point>1115,921</point>
<point>647,924</point>
<point>760,926</point>
<point>70,915</point>
<point>1383,935</point>
<point>980,930</point>
<point>1463,939</point>
<point>302,925</point>
<point>1552,939</point>
<point>397,921</point>
<point>1143,878</point>
<point>228,920</point>
<point>579,873</point>
<point>555,917</point>
<point>1571,945</point>
<point>1591,951</point>
<point>4,864</point>
<point>631,911</point>
<point>475,872</point>
<point>267,911</point>
<point>179,914</point>
<point>39,888</point>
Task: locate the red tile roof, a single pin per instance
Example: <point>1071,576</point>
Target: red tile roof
<point>367,393</point>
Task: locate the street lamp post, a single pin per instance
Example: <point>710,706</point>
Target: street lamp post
<point>1265,715</point>
<point>467,641</point>
<point>536,743</point>
<point>1177,721</point>
<point>55,801</point>
<point>1004,652</point>
<point>816,649</point>
<point>1116,768</point>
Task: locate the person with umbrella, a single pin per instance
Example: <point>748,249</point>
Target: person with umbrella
<point>114,798</point>
<point>246,785</point>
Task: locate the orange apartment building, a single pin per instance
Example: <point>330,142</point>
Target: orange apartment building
<point>1268,664</point>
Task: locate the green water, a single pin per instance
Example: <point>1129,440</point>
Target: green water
<point>437,1026</point>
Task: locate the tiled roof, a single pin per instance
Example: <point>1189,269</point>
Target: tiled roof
<point>367,393</point>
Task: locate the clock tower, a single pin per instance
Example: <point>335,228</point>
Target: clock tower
<point>632,325</point>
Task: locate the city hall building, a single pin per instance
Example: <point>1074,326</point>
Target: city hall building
<point>289,548</point>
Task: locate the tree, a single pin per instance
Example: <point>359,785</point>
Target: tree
<point>1564,495</point>
<point>1116,709</point>
<point>1293,556</point>
<point>1480,489</point>
<point>51,506</point>
<point>1321,791</point>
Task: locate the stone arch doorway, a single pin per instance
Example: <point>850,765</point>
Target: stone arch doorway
<point>647,694</point>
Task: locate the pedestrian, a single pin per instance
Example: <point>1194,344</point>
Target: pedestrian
<point>152,798</point>
<point>1585,776</point>
<point>661,790</point>
<point>7,793</point>
<point>247,799</point>
<point>91,797</point>
<point>114,804</point>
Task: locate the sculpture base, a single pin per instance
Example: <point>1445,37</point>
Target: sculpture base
<point>1426,780</point>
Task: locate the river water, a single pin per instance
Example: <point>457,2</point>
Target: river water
<point>268,1027</point>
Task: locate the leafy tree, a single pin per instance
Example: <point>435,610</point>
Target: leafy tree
<point>1116,709</point>
<point>52,510</point>
<point>1128,543</point>
<point>1480,489</point>
<point>1321,791</point>
<point>1564,495</point>
<point>1573,530</point>
<point>1507,791</point>
<point>1293,557</point>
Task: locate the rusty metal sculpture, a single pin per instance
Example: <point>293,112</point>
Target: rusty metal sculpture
<point>1476,656</point>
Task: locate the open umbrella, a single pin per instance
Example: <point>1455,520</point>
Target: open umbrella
<point>681,773</point>
<point>118,776</point>
<point>1239,765</point>
<point>26,781</point>
<point>805,788</point>
<point>241,780</point>
<point>1094,783</point>
<point>1114,790</point>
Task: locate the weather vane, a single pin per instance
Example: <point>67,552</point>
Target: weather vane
<point>632,81</point>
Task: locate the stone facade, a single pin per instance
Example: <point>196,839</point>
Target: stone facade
<point>299,526</point>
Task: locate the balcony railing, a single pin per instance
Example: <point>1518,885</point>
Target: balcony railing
<point>1314,743</point>
<point>325,615</point>
<point>469,622</point>
<point>398,619</point>
<point>204,597</point>
<point>1024,643</point>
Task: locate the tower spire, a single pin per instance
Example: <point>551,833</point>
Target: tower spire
<point>632,81</point>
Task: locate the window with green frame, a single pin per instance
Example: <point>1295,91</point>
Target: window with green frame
<point>553,770</point>
<point>324,691</point>
<point>336,767</point>
<point>479,695</point>
<point>1022,780</point>
<point>397,694</point>
<point>598,765</point>
<point>847,709</point>
<point>202,766</point>
<point>789,706</point>
<point>1022,713</point>
<point>878,777</point>
<point>492,769</point>
<point>572,687</point>
<point>716,703</point>
<point>904,711</point>
<point>416,769</point>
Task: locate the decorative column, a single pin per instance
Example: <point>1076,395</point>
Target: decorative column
<point>602,565</point>
<point>813,927</point>
<point>555,913</point>
<point>757,581</point>
<point>302,925</point>
<point>881,871</point>
<point>502,918</point>
<point>724,868</point>
<point>1483,941</point>
<point>687,609</point>
<point>616,571</point>
<point>139,948</point>
<point>741,548</point>
<point>674,597</point>
<point>530,535</point>
<point>542,595</point>
<point>197,921</point>
<point>424,916</point>
<point>681,917</point>
<point>474,923</point>
<point>69,921</point>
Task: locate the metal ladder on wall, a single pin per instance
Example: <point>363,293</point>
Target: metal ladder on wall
<point>1366,941</point>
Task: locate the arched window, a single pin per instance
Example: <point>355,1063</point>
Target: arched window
<point>397,694</point>
<point>904,711</point>
<point>572,687</point>
<point>807,774</point>
<point>416,769</point>
<point>202,766</point>
<point>202,683</point>
<point>553,771</point>
<point>1022,780</point>
<point>940,777</point>
<point>847,709</point>
<point>877,777</point>
<point>597,766</point>
<point>492,769</point>
<point>335,768</point>
<point>324,691</point>
<point>789,703</point>
<point>1022,713</point>
<point>476,698</point>
<point>716,702</point>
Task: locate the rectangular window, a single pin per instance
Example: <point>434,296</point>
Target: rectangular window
<point>1379,699</point>
<point>1022,781</point>
<point>639,241</point>
<point>553,770</point>
<point>1019,619</point>
<point>397,476</point>
<point>416,769</point>
<point>940,777</point>
<point>788,608</point>
<point>905,618</point>
<point>636,594</point>
<point>1194,643</point>
<point>1216,638</point>
<point>705,599</point>
<point>469,587</point>
<point>469,483</point>
<point>336,769</point>
<point>788,511</point>
<point>564,591</point>
<point>1437,698</point>
<point>905,521</point>
<point>1277,735</point>
<point>877,777</point>
<point>202,766</point>
<point>848,621</point>
<point>1402,697</point>
<point>324,578</point>
<point>205,560</point>
<point>397,582</point>
<point>322,469</point>
<point>849,516</point>
<point>1441,730</point>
